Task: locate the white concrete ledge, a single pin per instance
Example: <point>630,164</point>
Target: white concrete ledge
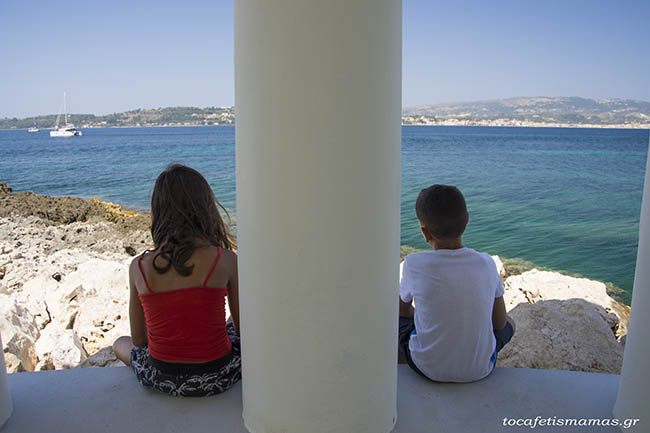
<point>110,400</point>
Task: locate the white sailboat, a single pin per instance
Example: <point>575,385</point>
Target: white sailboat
<point>34,128</point>
<point>68,129</point>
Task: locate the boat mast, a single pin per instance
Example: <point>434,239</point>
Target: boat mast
<point>58,117</point>
<point>65,112</point>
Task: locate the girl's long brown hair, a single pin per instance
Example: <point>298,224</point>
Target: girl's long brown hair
<point>184,211</point>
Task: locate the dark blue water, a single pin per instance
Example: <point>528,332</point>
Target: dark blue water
<point>566,199</point>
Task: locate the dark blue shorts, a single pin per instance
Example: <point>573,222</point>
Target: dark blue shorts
<point>407,328</point>
<point>504,335</point>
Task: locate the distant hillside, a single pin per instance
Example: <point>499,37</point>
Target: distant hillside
<point>565,110</point>
<point>171,116</point>
<point>538,111</point>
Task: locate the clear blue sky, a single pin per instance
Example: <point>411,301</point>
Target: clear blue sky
<point>119,55</point>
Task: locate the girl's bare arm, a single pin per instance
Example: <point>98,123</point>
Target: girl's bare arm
<point>136,313</point>
<point>233,291</point>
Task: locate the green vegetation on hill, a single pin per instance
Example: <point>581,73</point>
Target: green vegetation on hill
<point>171,116</point>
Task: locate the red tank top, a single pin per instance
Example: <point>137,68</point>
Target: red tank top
<point>187,325</point>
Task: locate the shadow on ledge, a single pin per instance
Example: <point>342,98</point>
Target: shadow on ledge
<point>110,400</point>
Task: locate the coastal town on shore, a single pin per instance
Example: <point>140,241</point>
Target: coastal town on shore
<point>423,120</point>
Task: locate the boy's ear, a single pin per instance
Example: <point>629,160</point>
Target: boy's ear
<point>426,233</point>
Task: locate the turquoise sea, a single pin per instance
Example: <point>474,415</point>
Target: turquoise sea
<point>567,199</point>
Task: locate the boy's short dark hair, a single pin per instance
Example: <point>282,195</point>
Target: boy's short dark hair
<point>441,209</point>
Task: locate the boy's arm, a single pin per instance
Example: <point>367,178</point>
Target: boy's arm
<point>406,309</point>
<point>498,314</point>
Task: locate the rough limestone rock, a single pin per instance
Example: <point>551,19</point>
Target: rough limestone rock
<point>19,332</point>
<point>535,285</point>
<point>101,321</point>
<point>563,323</point>
<point>102,358</point>
<point>13,363</point>
<point>62,307</point>
<point>562,335</point>
<point>63,260</point>
<point>32,296</point>
<point>103,302</point>
<point>500,267</point>
<point>58,348</point>
<point>52,294</point>
<point>100,278</point>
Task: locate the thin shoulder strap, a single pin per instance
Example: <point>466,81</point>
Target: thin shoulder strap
<point>142,273</point>
<point>214,265</point>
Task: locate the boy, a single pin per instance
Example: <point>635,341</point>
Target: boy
<point>459,322</point>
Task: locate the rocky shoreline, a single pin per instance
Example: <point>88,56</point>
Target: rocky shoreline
<point>64,293</point>
<point>63,278</point>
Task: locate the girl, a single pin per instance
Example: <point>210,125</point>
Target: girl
<point>180,342</point>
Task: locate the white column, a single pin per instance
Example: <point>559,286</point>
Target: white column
<point>317,99</point>
<point>5,399</point>
<point>634,391</point>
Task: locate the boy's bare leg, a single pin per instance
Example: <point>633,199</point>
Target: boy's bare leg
<point>122,349</point>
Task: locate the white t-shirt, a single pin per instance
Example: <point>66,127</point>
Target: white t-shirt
<point>454,293</point>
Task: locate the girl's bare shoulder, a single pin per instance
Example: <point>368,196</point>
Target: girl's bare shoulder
<point>228,255</point>
<point>135,263</point>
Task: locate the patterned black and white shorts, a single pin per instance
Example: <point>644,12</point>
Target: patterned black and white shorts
<point>189,380</point>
